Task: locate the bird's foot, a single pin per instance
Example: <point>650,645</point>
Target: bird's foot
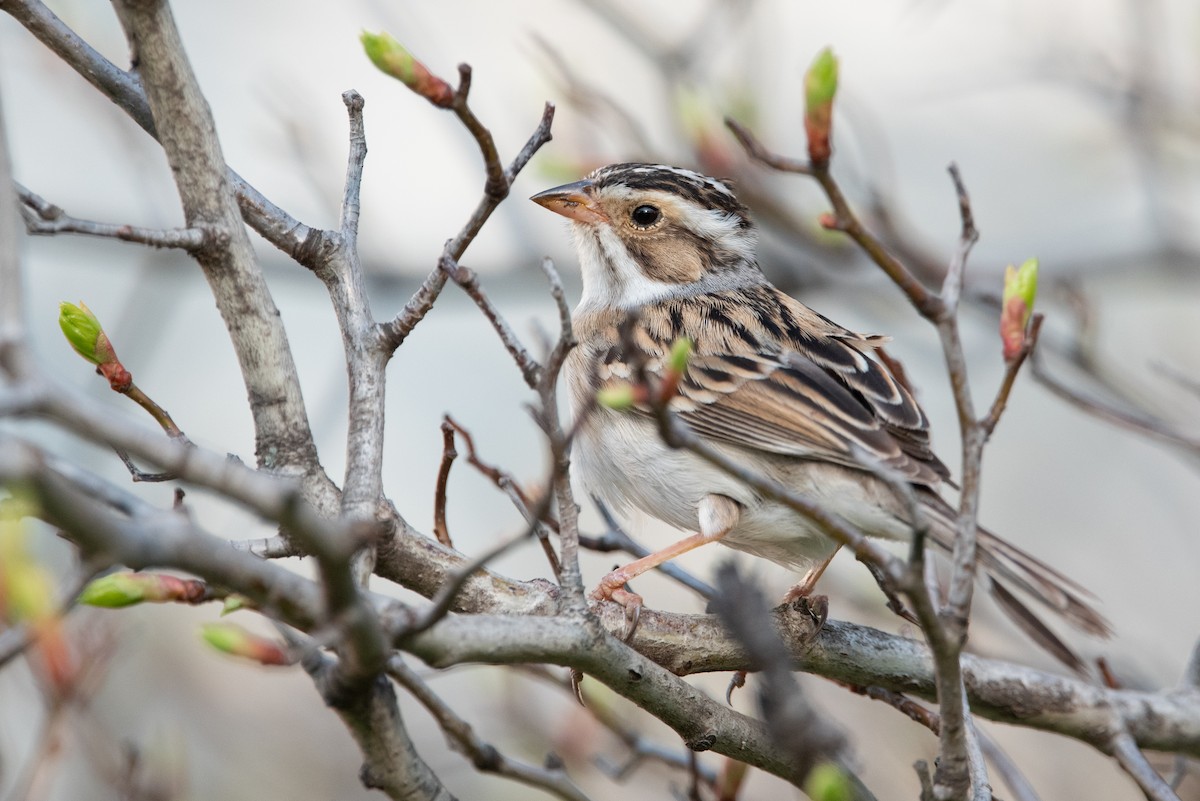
<point>815,606</point>
<point>614,587</point>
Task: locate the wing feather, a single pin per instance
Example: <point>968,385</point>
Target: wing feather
<point>768,373</point>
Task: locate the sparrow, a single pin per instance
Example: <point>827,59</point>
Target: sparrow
<point>667,253</point>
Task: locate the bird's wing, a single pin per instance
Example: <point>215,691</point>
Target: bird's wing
<point>768,373</point>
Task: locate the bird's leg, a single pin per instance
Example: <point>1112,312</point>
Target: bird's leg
<point>809,582</point>
<point>718,515</point>
<point>816,606</point>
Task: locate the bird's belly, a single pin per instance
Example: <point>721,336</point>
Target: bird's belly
<point>624,462</point>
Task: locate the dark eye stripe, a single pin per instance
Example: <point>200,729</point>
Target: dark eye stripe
<point>704,192</point>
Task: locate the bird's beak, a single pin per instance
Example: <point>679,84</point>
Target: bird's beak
<point>573,201</point>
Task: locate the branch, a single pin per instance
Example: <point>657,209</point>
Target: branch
<point>843,219</point>
<point>280,229</point>
<point>44,218</point>
<point>560,442</point>
<point>187,132</point>
<point>449,454</point>
<point>483,755</point>
<point>1134,762</point>
<point>495,190</point>
<point>390,762</point>
<point>793,722</point>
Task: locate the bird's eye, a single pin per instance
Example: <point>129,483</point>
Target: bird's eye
<point>645,216</point>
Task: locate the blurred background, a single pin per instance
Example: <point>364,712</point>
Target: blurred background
<point>1076,130</point>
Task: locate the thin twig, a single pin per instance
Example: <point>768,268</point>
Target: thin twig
<point>496,188</point>
<point>483,755</point>
<point>466,278</point>
<point>1010,374</point>
<point>843,219</point>
<point>439,494</point>
<point>444,600</point>
<point>520,499</point>
<point>560,443</point>
<point>1134,763</point>
<point>43,218</point>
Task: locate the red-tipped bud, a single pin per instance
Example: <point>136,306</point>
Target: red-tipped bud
<point>87,337</point>
<point>237,641</point>
<point>1020,290</point>
<point>820,87</point>
<point>393,59</point>
<point>126,589</point>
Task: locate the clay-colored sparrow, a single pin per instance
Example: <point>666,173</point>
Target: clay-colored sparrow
<point>669,253</point>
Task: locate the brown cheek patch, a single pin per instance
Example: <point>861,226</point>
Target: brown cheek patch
<point>672,259</point>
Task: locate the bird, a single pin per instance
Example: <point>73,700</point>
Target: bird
<point>667,254</point>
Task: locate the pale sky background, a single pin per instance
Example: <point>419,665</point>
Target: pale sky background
<point>1025,96</point>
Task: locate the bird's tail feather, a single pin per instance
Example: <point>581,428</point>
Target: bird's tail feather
<point>1004,563</point>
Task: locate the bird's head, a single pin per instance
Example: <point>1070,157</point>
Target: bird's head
<point>647,231</point>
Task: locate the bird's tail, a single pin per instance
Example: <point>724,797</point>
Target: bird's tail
<point>1005,564</point>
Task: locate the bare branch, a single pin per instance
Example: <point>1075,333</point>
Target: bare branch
<point>1134,762</point>
<point>512,488</point>
<point>483,755</point>
<point>568,510</point>
<point>466,278</point>
<point>1010,374</point>
<point>390,762</point>
<point>276,226</point>
<point>843,219</point>
<point>43,218</point>
<point>188,135</point>
<point>351,193</point>
<point>496,188</point>
<point>439,495</point>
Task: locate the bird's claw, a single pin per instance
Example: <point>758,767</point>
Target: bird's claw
<point>815,606</point>
<point>736,682</point>
<point>613,587</point>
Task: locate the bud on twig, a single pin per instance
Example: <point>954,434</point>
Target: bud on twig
<point>1020,289</point>
<point>87,337</point>
<point>237,641</point>
<point>619,397</point>
<point>827,782</point>
<point>27,597</point>
<point>126,589</point>
<point>820,87</point>
<point>677,362</point>
<point>393,59</point>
